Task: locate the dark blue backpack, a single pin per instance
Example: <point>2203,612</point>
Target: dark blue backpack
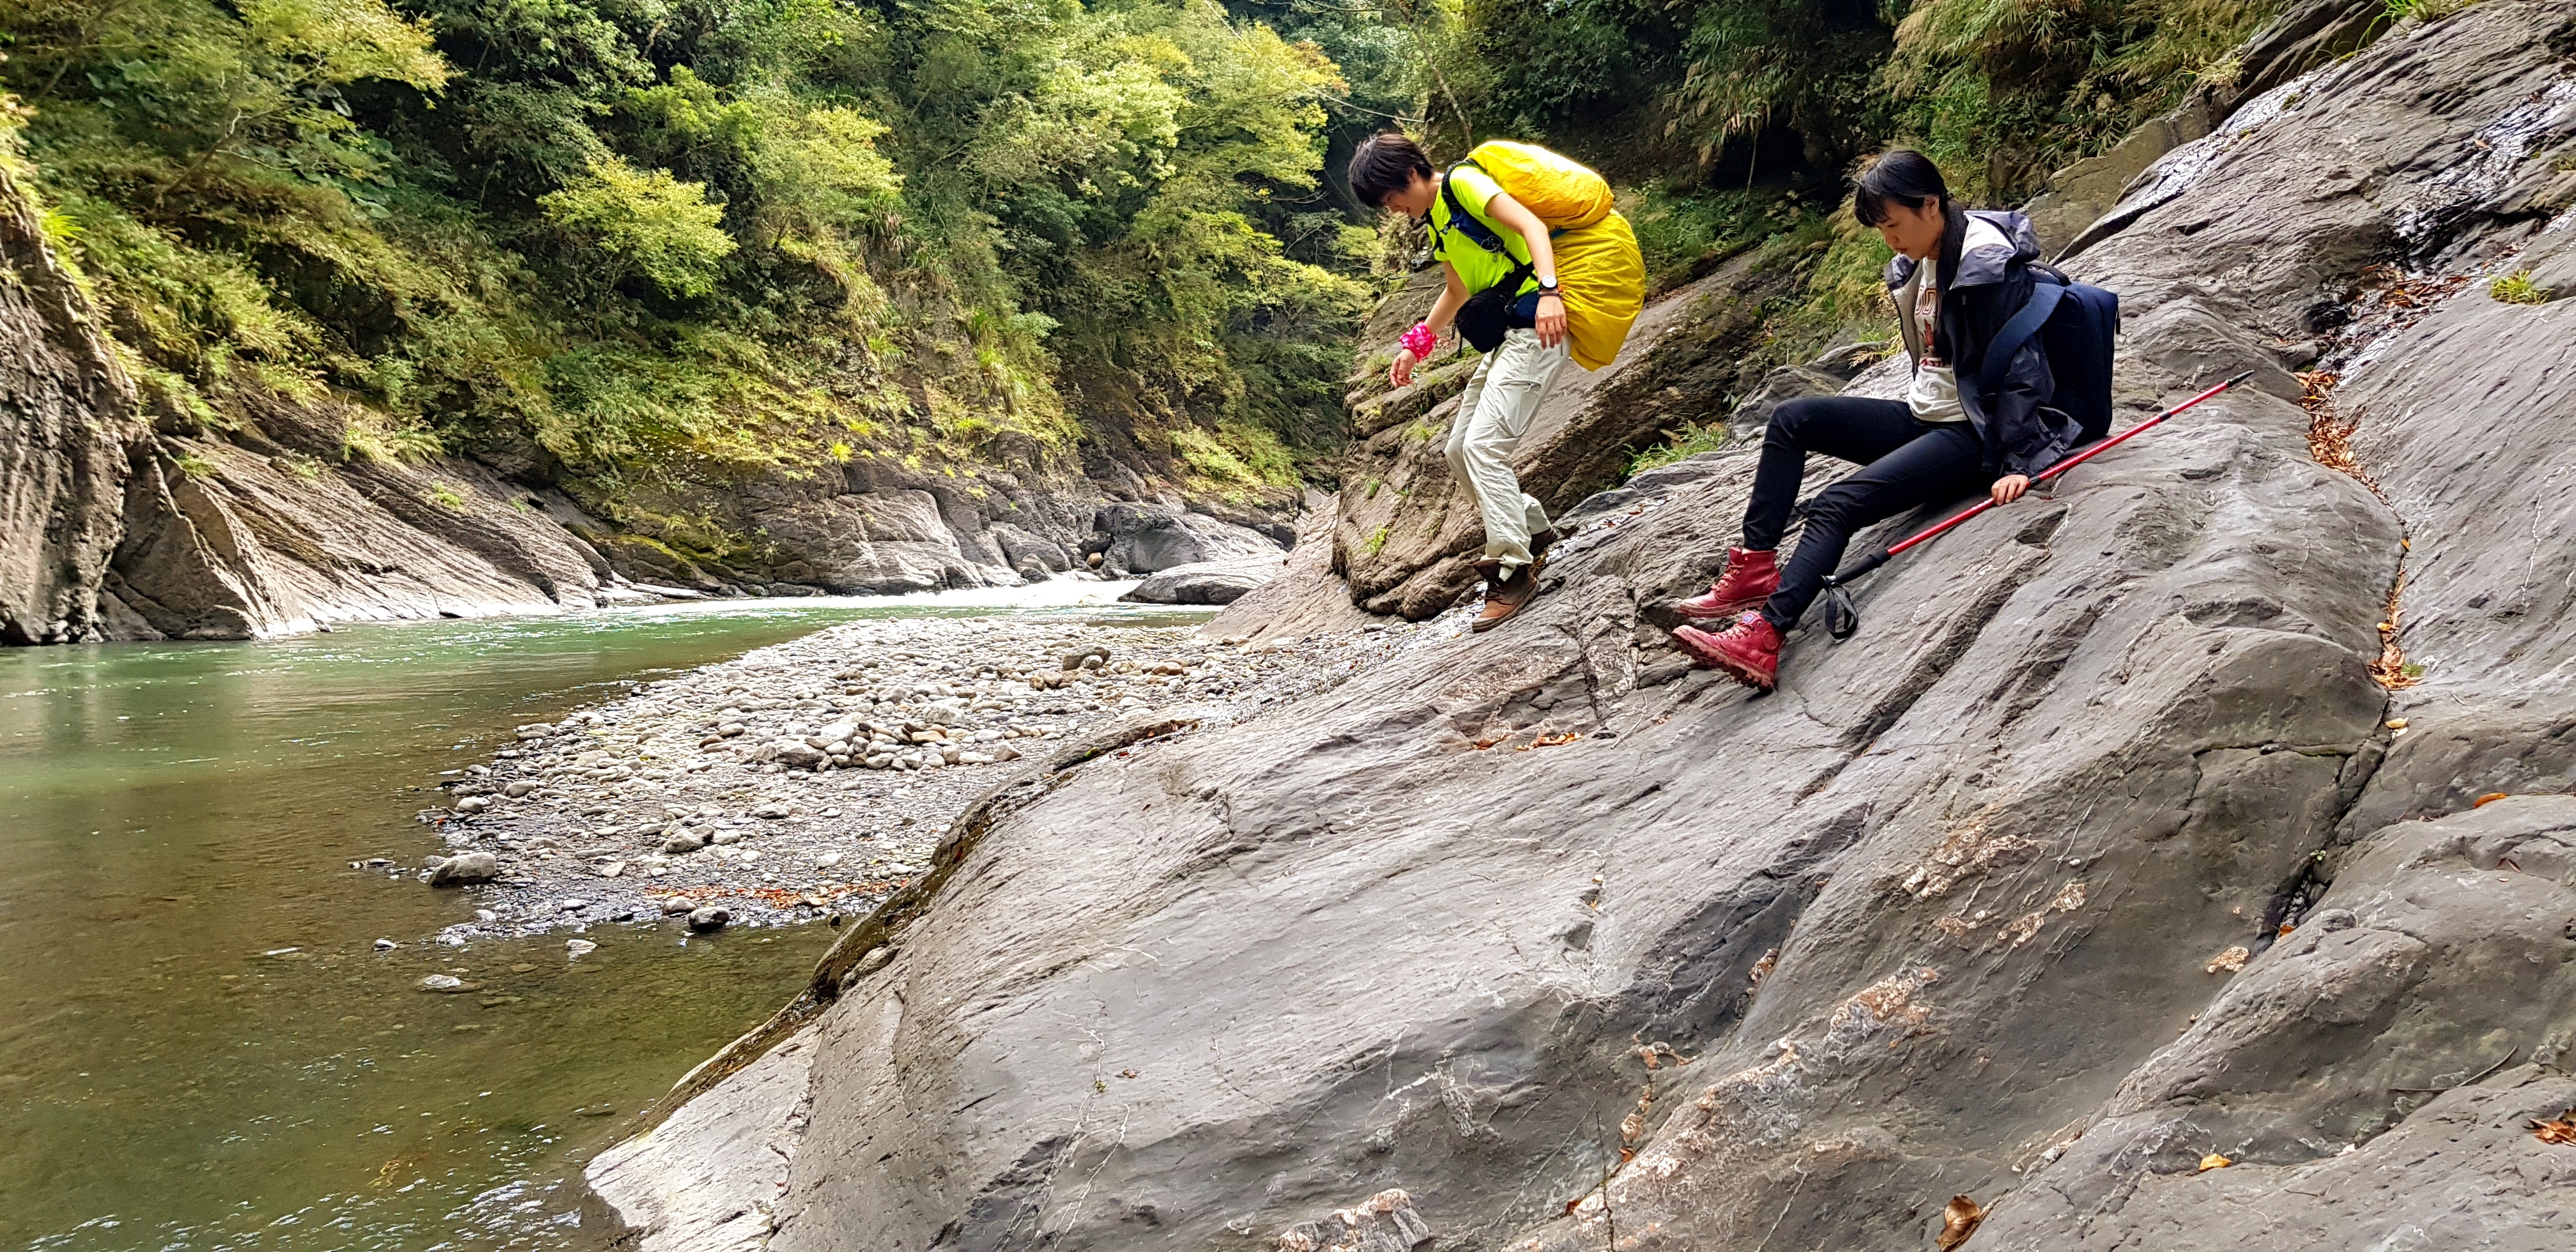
<point>2076,323</point>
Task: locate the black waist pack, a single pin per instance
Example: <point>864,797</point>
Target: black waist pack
<point>1494,312</point>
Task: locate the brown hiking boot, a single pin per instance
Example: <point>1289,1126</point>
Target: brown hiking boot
<point>1504,596</point>
<point>1540,543</point>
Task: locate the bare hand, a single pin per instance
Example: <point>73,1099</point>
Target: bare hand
<point>2009,488</point>
<point>1551,321</point>
<point>1400,374</point>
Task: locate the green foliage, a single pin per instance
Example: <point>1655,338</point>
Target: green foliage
<point>1683,234</point>
<point>2003,91</point>
<point>442,495</point>
<point>652,235</point>
<point>1693,441</point>
<point>2517,289</point>
<point>662,227</point>
<point>195,466</point>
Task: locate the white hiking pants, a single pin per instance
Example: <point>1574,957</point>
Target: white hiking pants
<point>1493,413</point>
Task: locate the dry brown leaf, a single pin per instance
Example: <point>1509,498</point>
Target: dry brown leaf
<point>2230,960</point>
<point>1549,741</point>
<point>1958,1221</point>
<point>2286,928</point>
<point>2487,799</point>
<point>2395,723</point>
<point>2214,1161</point>
<point>2562,1130</point>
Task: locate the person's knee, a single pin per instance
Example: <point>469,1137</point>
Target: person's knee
<point>1839,506</point>
<point>1789,421</point>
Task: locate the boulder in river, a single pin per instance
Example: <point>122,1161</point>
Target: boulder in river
<point>472,867</point>
<point>1213,582</point>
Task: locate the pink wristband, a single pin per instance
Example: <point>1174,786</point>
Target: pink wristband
<point>1420,341</point>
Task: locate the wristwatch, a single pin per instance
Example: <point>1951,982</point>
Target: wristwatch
<point>1547,287</point>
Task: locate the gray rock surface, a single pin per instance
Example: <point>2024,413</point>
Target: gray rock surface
<point>1145,540</point>
<point>716,1196</point>
<point>1214,582</point>
<point>1989,900</point>
<point>70,416</point>
<point>472,867</point>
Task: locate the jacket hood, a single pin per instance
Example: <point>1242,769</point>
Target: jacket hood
<point>1997,240</point>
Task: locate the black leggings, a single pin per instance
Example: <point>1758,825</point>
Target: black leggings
<point>1907,464</point>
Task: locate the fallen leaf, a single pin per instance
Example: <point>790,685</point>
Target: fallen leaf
<point>2214,1161</point>
<point>1126,1073</point>
<point>2395,723</point>
<point>2561,1131</point>
<point>1549,741</point>
<point>1958,1221</point>
<point>2286,927</point>
<point>2487,799</point>
<point>2230,960</point>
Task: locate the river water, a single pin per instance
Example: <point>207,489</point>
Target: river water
<point>200,1046</point>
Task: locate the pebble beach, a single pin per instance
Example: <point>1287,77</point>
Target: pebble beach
<point>809,780</point>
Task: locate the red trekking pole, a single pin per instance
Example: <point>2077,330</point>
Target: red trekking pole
<point>1842,619</point>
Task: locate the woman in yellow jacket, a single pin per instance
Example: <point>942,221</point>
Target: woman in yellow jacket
<point>1504,219</point>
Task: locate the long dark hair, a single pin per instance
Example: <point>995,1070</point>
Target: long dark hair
<point>1897,176</point>
<point>1385,164</point>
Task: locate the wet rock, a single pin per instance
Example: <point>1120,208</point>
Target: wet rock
<point>677,904</point>
<point>711,917</point>
<point>442,982</point>
<point>473,804</point>
<point>579,947</point>
<point>473,867</point>
<point>386,945</point>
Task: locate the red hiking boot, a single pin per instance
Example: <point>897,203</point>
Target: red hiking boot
<point>1749,650</point>
<point>1750,579</point>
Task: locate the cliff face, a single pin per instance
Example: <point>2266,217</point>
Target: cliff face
<point>118,524</point>
<point>62,446</point>
<point>2215,806</point>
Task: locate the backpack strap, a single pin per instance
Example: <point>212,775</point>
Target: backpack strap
<point>2044,296</point>
<point>1460,219</point>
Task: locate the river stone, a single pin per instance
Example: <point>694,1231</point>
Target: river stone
<point>579,947</point>
<point>1146,540</point>
<point>682,843</point>
<point>472,867</point>
<point>1220,582</point>
<point>711,917</point>
<point>442,982</point>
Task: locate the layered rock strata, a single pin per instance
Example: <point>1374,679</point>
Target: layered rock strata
<point>2181,859</point>
<point>122,524</point>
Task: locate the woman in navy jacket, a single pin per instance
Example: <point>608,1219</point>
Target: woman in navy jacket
<point>1958,276</point>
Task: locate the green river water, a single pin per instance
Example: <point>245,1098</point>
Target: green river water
<point>200,1047</point>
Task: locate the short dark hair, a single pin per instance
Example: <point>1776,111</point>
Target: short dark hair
<point>1898,175</point>
<point>1386,164</point>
